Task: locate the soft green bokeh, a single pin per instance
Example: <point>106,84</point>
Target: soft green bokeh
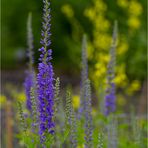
<point>66,42</point>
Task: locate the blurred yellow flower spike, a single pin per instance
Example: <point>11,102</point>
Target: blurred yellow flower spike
<point>100,5</point>
<point>67,10</point>
<point>103,57</point>
<point>135,8</point>
<point>134,86</point>
<point>123,3</point>
<point>90,14</point>
<point>20,97</point>
<point>100,70</point>
<point>101,23</point>
<point>134,22</point>
<point>76,101</point>
<point>122,48</point>
<point>98,48</point>
<point>102,41</point>
<point>121,79</point>
<point>3,100</point>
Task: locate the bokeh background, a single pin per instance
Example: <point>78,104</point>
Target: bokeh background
<point>70,20</point>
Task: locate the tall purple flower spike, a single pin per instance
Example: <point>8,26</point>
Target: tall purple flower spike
<point>45,78</point>
<point>88,125</point>
<point>110,98</point>
<point>28,84</point>
<point>84,76</point>
<point>29,80</point>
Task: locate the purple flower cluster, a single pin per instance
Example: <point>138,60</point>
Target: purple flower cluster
<point>88,127</point>
<point>84,76</point>
<point>45,96</point>
<point>45,78</point>
<point>29,80</point>
<point>28,84</point>
<point>110,97</point>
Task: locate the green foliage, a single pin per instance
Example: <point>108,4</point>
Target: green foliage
<point>100,140</point>
<point>22,119</point>
<point>127,132</point>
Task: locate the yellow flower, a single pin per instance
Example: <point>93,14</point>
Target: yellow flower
<point>3,100</point>
<point>100,69</point>
<point>102,41</point>
<point>90,14</point>
<point>104,58</point>
<point>135,85</point>
<point>100,5</point>
<point>101,24</point>
<point>134,22</point>
<point>121,78</point>
<point>67,10</point>
<point>76,101</point>
<point>98,10</point>
<point>135,8</point>
<point>123,3</point>
<point>20,97</point>
<point>123,47</point>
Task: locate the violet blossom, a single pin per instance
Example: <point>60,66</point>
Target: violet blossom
<point>110,98</point>
<point>45,78</point>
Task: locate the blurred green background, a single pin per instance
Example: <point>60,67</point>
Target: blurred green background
<point>70,20</point>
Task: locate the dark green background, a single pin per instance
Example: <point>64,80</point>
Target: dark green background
<point>66,52</point>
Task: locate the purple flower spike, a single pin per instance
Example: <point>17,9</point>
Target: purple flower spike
<point>45,78</point>
<point>29,80</point>
<point>28,84</point>
<point>84,76</point>
<point>45,96</point>
<point>110,97</point>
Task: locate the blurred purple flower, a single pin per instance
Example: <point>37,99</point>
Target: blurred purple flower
<point>110,97</point>
<point>29,80</point>
<point>84,76</point>
<point>28,84</point>
<point>88,125</point>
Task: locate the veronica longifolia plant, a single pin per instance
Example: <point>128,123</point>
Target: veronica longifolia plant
<point>84,74</point>
<point>87,113</point>
<point>100,140</point>
<point>70,114</point>
<point>29,80</point>
<point>112,130</point>
<point>45,78</point>
<point>110,97</point>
